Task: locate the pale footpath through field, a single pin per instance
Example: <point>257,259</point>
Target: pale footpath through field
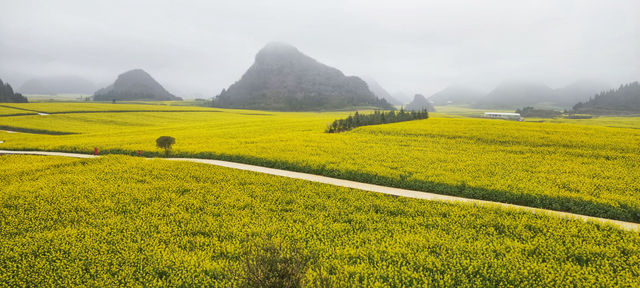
<point>362,186</point>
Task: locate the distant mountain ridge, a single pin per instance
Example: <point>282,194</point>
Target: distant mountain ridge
<point>380,92</point>
<point>579,91</point>
<point>518,94</point>
<point>455,95</point>
<point>58,85</point>
<point>419,103</point>
<point>134,85</point>
<point>283,78</point>
<point>514,94</point>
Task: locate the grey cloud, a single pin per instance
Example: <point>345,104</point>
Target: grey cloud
<point>413,46</point>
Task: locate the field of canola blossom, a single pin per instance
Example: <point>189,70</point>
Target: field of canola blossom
<point>584,169</point>
<point>126,221</point>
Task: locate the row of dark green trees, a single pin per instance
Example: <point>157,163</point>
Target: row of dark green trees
<point>377,117</point>
<point>625,98</point>
<point>7,94</point>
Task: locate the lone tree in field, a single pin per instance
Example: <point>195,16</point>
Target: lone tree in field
<point>165,142</point>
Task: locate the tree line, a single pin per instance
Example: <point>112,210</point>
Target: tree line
<point>626,98</point>
<point>538,113</point>
<point>375,118</point>
<point>7,94</point>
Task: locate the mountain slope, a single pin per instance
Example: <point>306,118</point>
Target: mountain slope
<point>455,95</point>
<point>134,85</point>
<point>579,91</point>
<point>515,94</point>
<point>282,78</point>
<point>380,92</point>
<point>420,102</point>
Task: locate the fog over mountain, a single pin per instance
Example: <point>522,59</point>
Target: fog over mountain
<point>514,94</point>
<point>579,91</point>
<point>58,85</point>
<point>403,97</point>
<point>456,95</point>
<point>415,46</point>
<point>380,92</point>
<point>135,84</point>
<point>419,103</point>
<point>283,78</point>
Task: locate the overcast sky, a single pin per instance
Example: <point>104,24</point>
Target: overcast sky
<point>413,46</point>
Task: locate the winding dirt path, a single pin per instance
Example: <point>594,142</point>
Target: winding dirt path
<point>364,186</point>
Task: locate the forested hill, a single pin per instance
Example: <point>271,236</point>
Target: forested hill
<point>7,94</point>
<point>283,78</point>
<point>626,98</point>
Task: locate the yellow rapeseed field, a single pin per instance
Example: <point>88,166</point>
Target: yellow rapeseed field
<point>132,222</point>
<point>586,169</point>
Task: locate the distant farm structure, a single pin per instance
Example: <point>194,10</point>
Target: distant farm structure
<point>503,115</point>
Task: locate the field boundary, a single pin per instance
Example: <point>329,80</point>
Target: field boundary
<point>109,111</point>
<point>34,131</point>
<point>630,226</point>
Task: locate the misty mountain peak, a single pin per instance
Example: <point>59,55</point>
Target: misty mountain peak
<point>278,47</point>
<point>283,78</point>
<point>134,84</point>
<point>419,97</point>
<point>275,52</point>
<point>420,102</point>
<point>135,75</point>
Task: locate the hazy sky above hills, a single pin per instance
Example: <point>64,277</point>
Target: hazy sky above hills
<point>413,46</point>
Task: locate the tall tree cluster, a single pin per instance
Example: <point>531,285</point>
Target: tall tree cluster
<point>7,94</point>
<point>377,117</point>
<point>625,98</point>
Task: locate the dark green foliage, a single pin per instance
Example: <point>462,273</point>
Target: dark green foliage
<point>7,94</point>
<point>34,131</point>
<point>539,113</point>
<point>578,116</point>
<point>625,98</point>
<point>377,117</point>
<point>165,142</point>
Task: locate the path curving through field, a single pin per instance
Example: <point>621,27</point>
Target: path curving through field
<point>363,186</point>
